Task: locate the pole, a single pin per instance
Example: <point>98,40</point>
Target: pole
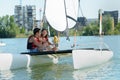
<point>100,22</point>
<point>100,29</point>
<point>40,17</point>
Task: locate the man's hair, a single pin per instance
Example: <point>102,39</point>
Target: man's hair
<point>36,30</point>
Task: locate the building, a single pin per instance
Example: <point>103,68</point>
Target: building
<point>29,17</point>
<point>25,16</point>
<point>82,21</point>
<point>38,22</point>
<point>113,14</point>
<point>18,15</point>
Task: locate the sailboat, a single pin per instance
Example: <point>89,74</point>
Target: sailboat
<point>2,43</point>
<point>61,15</point>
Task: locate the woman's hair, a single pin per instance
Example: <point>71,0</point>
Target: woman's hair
<point>42,33</point>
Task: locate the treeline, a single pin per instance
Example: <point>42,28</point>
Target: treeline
<point>108,27</point>
<point>92,29</point>
<point>8,28</point>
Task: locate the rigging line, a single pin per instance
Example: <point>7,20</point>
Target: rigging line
<point>58,36</point>
<point>48,30</point>
<point>67,30</point>
<point>43,18</point>
<point>71,18</point>
<point>75,39</point>
<point>80,9</point>
<point>44,9</point>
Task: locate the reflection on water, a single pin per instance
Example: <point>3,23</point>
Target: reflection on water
<point>94,73</point>
<point>60,72</point>
<point>6,75</point>
<point>46,72</point>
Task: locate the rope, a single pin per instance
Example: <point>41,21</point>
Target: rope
<point>75,40</point>
<point>80,9</point>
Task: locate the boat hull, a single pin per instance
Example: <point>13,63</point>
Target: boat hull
<point>15,61</point>
<point>89,58</point>
<point>81,59</point>
<point>2,44</point>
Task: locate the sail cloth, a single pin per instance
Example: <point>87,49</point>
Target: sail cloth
<point>61,14</point>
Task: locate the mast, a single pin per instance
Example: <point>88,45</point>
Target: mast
<point>43,18</point>
<point>100,22</point>
<point>100,30</point>
<point>44,8</point>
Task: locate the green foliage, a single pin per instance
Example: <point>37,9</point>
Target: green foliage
<point>91,29</point>
<point>45,25</point>
<point>117,29</point>
<point>8,27</point>
<point>22,30</point>
<point>107,25</point>
<point>52,31</point>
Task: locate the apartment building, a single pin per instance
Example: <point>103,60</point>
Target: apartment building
<point>25,16</point>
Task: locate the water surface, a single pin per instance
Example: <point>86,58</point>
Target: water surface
<point>64,69</point>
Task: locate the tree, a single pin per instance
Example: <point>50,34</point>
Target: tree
<point>107,24</point>
<point>8,28</point>
<point>117,29</point>
<point>91,29</point>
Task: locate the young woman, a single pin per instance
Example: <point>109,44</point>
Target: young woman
<point>45,41</point>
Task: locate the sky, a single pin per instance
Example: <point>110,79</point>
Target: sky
<point>89,7</point>
<point>7,6</point>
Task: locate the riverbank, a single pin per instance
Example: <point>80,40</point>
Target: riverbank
<point>22,36</point>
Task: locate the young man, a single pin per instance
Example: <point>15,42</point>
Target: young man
<point>34,43</point>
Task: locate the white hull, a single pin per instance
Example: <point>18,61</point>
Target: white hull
<point>81,59</point>
<point>2,44</point>
<point>89,58</point>
<point>15,61</point>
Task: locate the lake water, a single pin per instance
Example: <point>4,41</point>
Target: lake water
<point>64,69</point>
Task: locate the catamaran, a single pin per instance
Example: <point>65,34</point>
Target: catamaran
<point>61,15</point>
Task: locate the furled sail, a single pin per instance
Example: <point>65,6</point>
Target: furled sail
<point>61,14</point>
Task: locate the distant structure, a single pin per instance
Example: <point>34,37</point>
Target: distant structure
<point>113,14</point>
<point>29,16</point>
<point>38,22</point>
<point>25,16</point>
<point>18,15</point>
<point>82,21</point>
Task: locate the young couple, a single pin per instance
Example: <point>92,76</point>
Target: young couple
<point>39,41</point>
